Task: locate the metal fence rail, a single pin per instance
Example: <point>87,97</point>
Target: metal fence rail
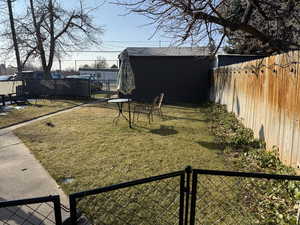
<point>154,200</point>
<point>33,211</point>
<point>187,197</point>
<point>109,85</point>
<point>225,198</point>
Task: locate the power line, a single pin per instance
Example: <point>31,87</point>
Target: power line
<point>108,51</point>
<point>138,41</point>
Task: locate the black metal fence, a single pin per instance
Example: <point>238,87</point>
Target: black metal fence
<point>154,200</point>
<point>222,197</point>
<point>188,197</point>
<point>109,85</point>
<point>58,88</point>
<point>34,211</point>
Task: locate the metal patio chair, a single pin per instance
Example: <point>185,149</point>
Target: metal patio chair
<point>143,108</point>
<point>148,109</point>
<point>157,106</point>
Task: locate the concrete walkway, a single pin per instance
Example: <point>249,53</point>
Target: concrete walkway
<point>21,174</point>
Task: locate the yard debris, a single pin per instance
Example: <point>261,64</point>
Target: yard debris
<point>49,124</point>
<point>11,107</point>
<point>67,180</point>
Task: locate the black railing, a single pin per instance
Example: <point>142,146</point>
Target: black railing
<point>33,211</point>
<point>223,197</point>
<point>153,200</point>
<point>188,197</point>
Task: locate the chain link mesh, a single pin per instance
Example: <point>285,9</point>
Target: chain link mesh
<point>226,200</point>
<point>31,214</point>
<point>151,203</point>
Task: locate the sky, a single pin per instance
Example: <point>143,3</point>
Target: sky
<point>120,31</point>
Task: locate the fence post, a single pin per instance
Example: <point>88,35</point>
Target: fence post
<point>73,214</point>
<point>188,171</point>
<point>194,198</point>
<point>182,194</point>
<point>57,210</point>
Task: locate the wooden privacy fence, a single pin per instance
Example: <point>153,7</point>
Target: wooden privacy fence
<point>265,95</point>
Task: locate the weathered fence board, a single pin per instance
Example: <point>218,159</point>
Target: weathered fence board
<point>264,94</point>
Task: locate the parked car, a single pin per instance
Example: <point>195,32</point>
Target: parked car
<point>56,75</point>
<point>96,85</point>
<point>38,75</point>
<point>7,77</point>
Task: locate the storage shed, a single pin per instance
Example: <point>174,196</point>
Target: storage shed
<point>181,73</point>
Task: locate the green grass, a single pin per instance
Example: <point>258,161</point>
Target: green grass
<point>35,109</point>
<point>85,145</point>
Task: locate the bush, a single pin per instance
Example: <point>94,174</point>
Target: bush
<point>276,201</point>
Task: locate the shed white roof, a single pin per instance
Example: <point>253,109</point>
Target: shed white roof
<point>167,51</point>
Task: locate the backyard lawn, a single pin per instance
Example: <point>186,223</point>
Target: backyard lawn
<point>86,145</point>
<point>35,109</point>
<point>83,150</point>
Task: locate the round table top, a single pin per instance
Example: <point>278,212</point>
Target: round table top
<point>119,100</point>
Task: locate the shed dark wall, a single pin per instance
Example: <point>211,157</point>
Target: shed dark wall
<point>182,79</point>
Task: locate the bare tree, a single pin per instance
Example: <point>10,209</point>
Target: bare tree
<point>47,30</point>
<point>13,35</point>
<point>213,20</point>
<point>101,63</point>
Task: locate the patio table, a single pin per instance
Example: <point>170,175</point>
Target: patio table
<point>120,102</point>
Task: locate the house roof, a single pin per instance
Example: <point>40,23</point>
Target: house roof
<point>167,51</point>
<point>100,69</point>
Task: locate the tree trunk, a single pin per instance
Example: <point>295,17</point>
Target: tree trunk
<point>14,36</point>
<point>52,38</point>
<point>39,42</point>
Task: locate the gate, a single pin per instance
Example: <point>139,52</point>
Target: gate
<point>150,201</point>
<point>193,197</point>
<point>187,197</point>
<point>225,198</point>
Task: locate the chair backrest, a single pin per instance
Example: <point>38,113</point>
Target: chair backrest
<point>155,102</point>
<point>161,98</point>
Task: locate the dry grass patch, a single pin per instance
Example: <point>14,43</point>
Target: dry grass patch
<point>85,145</point>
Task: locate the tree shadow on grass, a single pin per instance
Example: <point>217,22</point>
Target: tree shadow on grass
<point>211,145</point>
<point>168,117</point>
<point>164,130</point>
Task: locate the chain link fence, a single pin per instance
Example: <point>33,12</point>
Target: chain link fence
<point>151,201</point>
<point>245,199</point>
<point>189,197</point>
<point>35,211</point>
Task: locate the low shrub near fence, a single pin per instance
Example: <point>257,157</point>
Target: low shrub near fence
<point>264,94</point>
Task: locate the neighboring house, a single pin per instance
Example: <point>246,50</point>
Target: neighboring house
<point>101,74</point>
